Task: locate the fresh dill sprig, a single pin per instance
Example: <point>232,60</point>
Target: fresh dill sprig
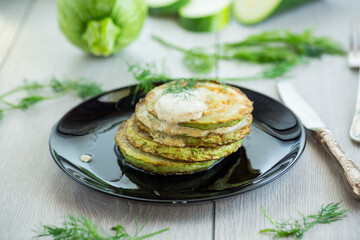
<point>297,228</point>
<point>303,43</point>
<point>148,76</point>
<point>181,86</point>
<point>82,87</point>
<point>281,49</point>
<point>81,228</point>
<point>36,92</point>
<point>198,60</point>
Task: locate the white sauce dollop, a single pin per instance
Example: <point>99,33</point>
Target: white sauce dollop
<point>181,107</point>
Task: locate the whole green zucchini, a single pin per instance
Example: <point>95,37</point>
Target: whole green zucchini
<point>101,27</point>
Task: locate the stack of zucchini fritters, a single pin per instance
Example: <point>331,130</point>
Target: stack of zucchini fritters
<point>182,132</point>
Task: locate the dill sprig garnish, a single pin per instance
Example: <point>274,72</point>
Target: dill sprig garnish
<point>148,76</point>
<point>81,228</point>
<point>36,92</point>
<point>297,228</point>
<point>198,60</point>
<point>278,51</point>
<point>282,50</point>
<point>181,86</point>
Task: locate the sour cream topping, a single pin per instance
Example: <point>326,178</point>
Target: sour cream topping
<point>173,129</point>
<point>181,107</point>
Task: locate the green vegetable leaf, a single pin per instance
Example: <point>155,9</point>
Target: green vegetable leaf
<point>199,61</point>
<point>297,228</point>
<point>28,87</point>
<point>27,102</point>
<point>32,86</point>
<point>73,228</point>
<point>85,89</point>
<point>148,76</point>
<point>278,69</point>
<point>181,85</point>
<point>60,86</point>
<point>282,49</point>
<point>311,46</point>
<point>37,92</point>
<point>80,228</point>
<point>263,55</point>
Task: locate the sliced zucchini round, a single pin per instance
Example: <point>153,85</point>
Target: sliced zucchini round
<point>155,124</point>
<point>205,15</point>
<point>254,11</point>
<point>165,7</point>
<point>226,106</point>
<point>155,164</point>
<point>211,140</point>
<point>145,143</point>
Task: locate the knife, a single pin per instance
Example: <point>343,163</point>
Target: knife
<point>309,118</point>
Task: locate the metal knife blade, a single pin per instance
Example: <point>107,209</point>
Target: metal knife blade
<point>299,106</point>
<point>350,171</point>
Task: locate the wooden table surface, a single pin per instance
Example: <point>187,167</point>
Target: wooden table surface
<point>33,190</point>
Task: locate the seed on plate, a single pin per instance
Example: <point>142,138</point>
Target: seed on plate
<point>86,158</point>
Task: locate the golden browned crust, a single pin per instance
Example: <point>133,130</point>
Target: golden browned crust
<point>234,106</point>
<point>145,143</point>
<point>211,140</point>
<point>154,163</point>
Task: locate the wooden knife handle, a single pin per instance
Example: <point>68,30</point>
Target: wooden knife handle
<point>351,172</point>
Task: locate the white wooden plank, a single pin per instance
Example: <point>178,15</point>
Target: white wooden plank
<point>33,188</point>
<point>12,15</point>
<point>329,86</point>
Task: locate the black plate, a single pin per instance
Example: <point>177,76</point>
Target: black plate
<point>275,143</point>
